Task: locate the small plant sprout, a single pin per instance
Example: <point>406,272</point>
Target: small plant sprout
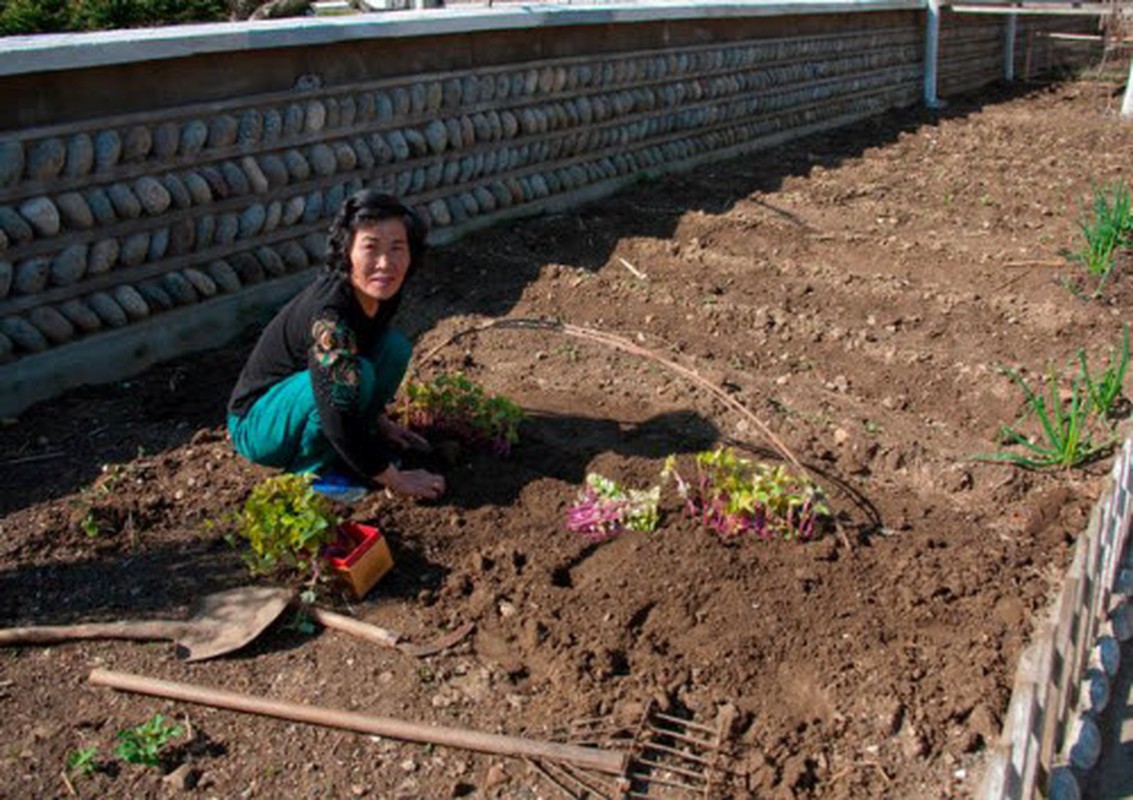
<point>143,744</point>
<point>82,762</point>
<point>604,509</point>
<point>1065,439</point>
<point>452,405</point>
<point>734,496</point>
<point>1104,392</point>
<point>1106,230</point>
<point>287,523</point>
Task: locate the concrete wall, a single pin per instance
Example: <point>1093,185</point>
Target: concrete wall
<point>158,189</point>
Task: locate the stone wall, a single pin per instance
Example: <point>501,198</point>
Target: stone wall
<point>164,223</point>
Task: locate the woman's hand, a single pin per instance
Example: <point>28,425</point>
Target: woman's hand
<point>402,436</point>
<point>412,482</point>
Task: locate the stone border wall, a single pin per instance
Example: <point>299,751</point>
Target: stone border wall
<point>128,238</point>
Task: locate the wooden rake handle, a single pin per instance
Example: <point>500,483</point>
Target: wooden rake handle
<point>129,629</point>
<point>585,757</point>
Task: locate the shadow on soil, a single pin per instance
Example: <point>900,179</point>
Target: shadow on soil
<point>60,445</point>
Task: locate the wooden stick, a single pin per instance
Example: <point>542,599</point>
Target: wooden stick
<point>11,462</point>
<point>498,744</point>
<point>636,272</point>
<point>354,627</point>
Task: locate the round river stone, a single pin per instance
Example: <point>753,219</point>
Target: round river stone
<point>46,159</point>
<point>107,150</point>
<point>79,315</point>
<point>256,178</point>
<point>178,192</point>
<point>297,165</point>
<point>198,188</point>
<point>103,256</point>
<point>248,268</point>
<point>222,131</point>
<point>23,334</point>
<point>273,265</point>
<point>166,137</point>
<point>107,310</point>
<point>80,156</point>
<point>42,214</point>
<point>12,161</point>
<point>70,265</point>
<point>274,170</point>
<point>134,249</point>
<point>132,303</point>
<point>293,255</point>
<point>126,203</point>
<point>15,227</point>
<point>154,197</point>
<point>55,327</point>
<point>193,137</point>
<point>74,211</point>
<point>224,276</point>
<point>155,296</point>
<point>179,288</point>
<point>137,143</point>
<point>202,283</point>
<point>31,276</point>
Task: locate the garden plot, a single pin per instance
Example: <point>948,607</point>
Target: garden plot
<point>860,293</point>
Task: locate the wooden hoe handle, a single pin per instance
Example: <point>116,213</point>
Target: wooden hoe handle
<point>586,757</point>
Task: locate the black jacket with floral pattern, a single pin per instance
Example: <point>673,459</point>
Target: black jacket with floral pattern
<point>323,330</point>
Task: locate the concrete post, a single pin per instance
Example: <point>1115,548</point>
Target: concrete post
<point>1009,37</point>
<point>1127,103</point>
<point>931,52</point>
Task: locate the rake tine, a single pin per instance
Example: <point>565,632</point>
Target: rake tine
<point>684,723</point>
<point>689,739</point>
<point>667,782</point>
<point>591,783</point>
<point>688,773</point>
<point>679,753</point>
<point>554,780</point>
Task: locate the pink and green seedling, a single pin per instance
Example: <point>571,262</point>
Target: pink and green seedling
<point>604,509</point>
<point>452,405</point>
<point>734,496</point>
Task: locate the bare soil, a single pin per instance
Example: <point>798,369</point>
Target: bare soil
<point>858,291</point>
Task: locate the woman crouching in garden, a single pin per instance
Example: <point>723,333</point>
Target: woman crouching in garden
<point>312,397</point>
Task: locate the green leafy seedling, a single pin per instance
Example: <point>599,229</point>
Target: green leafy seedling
<point>454,405</point>
<point>1104,392</point>
<point>143,744</point>
<point>1066,440</point>
<point>83,761</point>
<point>1106,230</point>
<point>286,523</point>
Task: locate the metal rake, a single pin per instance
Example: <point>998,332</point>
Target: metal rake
<point>670,758</point>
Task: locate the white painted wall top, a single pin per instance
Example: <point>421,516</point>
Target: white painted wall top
<point>51,52</point>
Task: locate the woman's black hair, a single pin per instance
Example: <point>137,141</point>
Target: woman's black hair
<point>365,206</point>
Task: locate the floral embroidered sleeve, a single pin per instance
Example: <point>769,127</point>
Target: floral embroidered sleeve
<point>336,376</point>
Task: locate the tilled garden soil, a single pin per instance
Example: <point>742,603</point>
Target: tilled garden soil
<point>859,292</point>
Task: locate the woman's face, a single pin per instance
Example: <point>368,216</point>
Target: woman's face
<point>379,259</point>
